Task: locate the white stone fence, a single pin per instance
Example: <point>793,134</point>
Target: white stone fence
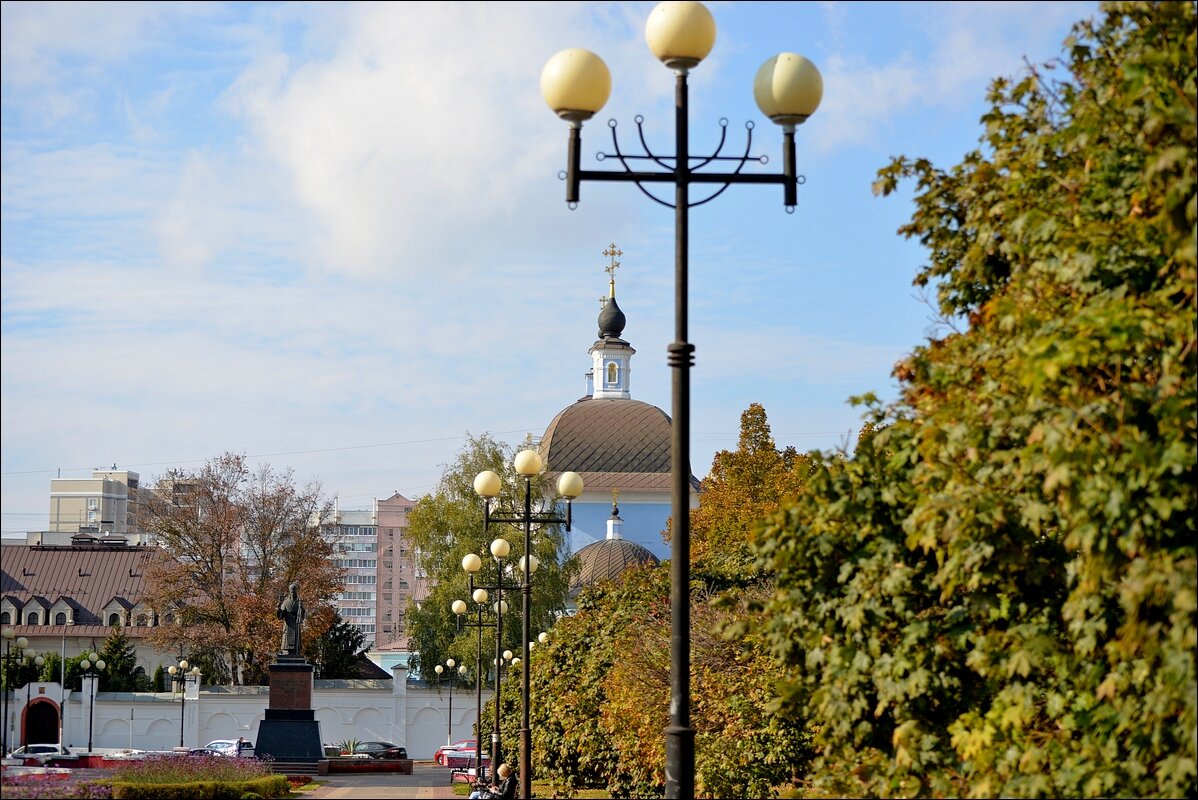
<point>409,714</point>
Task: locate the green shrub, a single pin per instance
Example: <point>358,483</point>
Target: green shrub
<point>268,786</point>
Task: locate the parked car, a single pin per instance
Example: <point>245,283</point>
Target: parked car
<point>460,744</point>
<point>42,752</point>
<point>207,751</point>
<point>231,747</point>
<point>381,750</point>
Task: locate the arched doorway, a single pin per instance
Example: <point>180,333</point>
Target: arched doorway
<point>41,722</point>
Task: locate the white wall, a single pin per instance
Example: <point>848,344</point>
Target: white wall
<point>408,714</point>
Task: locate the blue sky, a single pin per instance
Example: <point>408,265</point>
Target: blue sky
<point>332,236</point>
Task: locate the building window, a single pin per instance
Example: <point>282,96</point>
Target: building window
<point>92,504</point>
<point>143,620</point>
<point>31,618</point>
<point>115,619</point>
<point>5,618</point>
<point>91,516</point>
<point>61,618</point>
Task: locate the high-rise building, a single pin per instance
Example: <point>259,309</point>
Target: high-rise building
<point>105,503</point>
<point>400,577</point>
<point>354,535</point>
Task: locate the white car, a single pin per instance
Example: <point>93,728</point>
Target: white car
<point>228,747</point>
<point>42,752</point>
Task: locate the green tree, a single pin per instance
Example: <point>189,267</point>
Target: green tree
<point>239,537</point>
<point>448,524</point>
<point>120,664</point>
<point>995,596</point>
<point>335,652</point>
<point>158,683</point>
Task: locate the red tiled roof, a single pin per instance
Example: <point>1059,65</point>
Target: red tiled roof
<point>90,576</point>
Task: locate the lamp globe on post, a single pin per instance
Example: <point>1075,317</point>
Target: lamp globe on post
<point>788,89</point>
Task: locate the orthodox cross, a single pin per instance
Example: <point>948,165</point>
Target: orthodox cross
<point>612,252</point>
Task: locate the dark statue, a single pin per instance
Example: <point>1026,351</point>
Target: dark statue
<point>291,611</point>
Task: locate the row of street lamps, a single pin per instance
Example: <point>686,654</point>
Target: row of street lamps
<point>487,484</point>
<point>576,84</point>
<point>92,666</point>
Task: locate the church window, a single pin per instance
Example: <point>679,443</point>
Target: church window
<point>613,372</point>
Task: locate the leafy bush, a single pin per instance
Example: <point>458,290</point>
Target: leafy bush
<point>995,596</point>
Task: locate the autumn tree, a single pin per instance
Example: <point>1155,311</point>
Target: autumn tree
<point>603,684</point>
<point>742,487</point>
<point>446,525</point>
<point>995,596</point>
<point>238,538</point>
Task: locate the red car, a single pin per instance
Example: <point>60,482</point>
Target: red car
<point>460,754</point>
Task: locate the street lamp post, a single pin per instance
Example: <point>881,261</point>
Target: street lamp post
<point>788,89</point>
<point>181,675</point>
<point>472,564</point>
<point>450,663</point>
<point>528,465</point>
<point>459,607</point>
<point>9,657</point>
<point>92,667</point>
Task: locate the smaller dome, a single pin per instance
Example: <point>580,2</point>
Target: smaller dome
<point>611,320</point>
<point>606,560</point>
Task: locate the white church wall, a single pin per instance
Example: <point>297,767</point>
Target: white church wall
<point>405,713</point>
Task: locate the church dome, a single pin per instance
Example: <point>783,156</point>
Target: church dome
<point>611,443</point>
<point>606,560</point>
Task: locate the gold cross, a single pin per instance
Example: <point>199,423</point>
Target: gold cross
<point>612,251</point>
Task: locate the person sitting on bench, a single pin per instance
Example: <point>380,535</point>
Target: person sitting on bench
<point>504,791</point>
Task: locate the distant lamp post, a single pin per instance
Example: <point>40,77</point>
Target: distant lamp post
<point>487,484</point>
<point>9,659</point>
<point>181,675</point>
<point>461,671</point>
<point>92,667</point>
<point>472,563</point>
<point>575,83</point>
<point>460,608</point>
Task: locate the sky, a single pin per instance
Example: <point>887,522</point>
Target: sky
<point>333,238</point>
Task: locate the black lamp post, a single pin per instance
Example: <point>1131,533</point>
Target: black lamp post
<point>22,656</point>
<point>9,657</point>
<point>440,670</point>
<point>92,667</point>
<point>181,675</point>
<point>788,88</point>
<point>528,464</point>
<point>480,598</point>
<point>472,564</point>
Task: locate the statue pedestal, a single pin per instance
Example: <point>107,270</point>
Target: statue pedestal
<point>290,731</point>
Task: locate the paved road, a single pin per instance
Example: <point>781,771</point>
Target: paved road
<point>426,781</point>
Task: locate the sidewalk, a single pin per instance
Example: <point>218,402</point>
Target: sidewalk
<point>426,781</point>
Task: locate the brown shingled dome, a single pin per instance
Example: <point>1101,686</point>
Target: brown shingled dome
<point>606,436</point>
<point>606,560</point>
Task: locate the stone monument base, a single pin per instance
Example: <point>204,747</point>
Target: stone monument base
<point>290,731</point>
<point>289,735</point>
